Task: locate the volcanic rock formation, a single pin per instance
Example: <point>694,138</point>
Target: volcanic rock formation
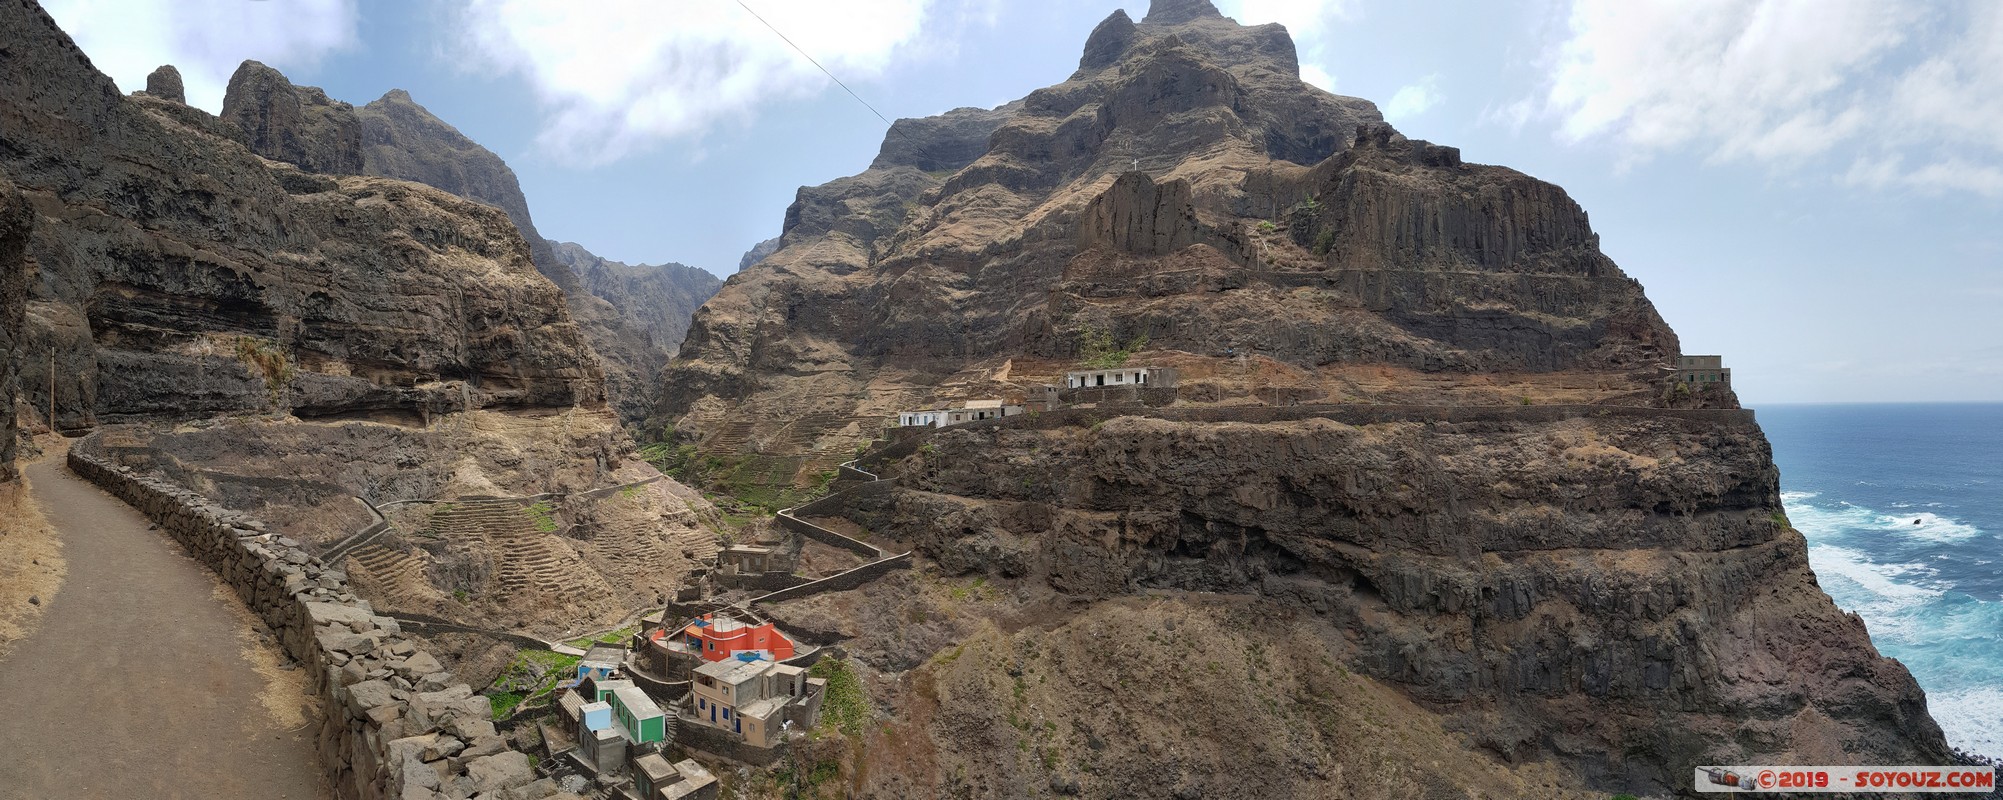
<point>181,274</point>
<point>15,221</point>
<point>397,138</point>
<point>165,83</point>
<point>1491,512</point>
<point>757,253</point>
<point>641,313</point>
<point>1611,588</point>
<point>295,124</point>
<point>1267,218</point>
<point>290,341</point>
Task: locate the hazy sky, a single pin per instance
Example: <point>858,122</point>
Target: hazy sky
<point>1813,188</point>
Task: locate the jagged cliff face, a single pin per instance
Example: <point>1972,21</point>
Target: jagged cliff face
<point>632,326</point>
<point>15,220</point>
<point>1610,590</point>
<point>181,274</point>
<point>648,307</point>
<point>757,253</point>
<point>401,334</point>
<point>1267,218</point>
<point>1496,516</point>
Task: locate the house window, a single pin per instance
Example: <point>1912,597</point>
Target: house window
<point>726,713</point>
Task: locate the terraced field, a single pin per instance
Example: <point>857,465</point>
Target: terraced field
<point>545,565</point>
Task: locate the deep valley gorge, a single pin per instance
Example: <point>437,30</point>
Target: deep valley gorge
<point>1297,457</point>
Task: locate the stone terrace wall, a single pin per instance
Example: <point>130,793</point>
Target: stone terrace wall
<point>1346,413</point>
<point>791,520</point>
<point>841,581</point>
<point>396,724</point>
<point>764,581</point>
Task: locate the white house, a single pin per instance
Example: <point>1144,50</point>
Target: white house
<point>1120,376</point>
<point>971,411</point>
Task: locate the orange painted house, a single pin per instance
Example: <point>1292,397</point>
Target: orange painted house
<point>718,637</point>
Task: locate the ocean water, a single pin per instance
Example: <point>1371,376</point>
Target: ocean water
<point>1902,506</point>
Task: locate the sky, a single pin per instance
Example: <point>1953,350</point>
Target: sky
<point>1812,188</point>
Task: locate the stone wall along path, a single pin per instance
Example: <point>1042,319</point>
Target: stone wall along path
<point>137,683</point>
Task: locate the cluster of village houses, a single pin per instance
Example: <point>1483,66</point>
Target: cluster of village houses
<point>735,679</point>
<point>1045,398</point>
<point>1697,370</point>
<point>722,671</point>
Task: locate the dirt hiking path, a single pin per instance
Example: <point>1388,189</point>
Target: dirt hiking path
<point>144,678</point>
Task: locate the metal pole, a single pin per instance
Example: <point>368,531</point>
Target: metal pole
<point>52,390</point>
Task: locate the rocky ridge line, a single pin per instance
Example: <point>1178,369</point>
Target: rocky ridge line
<point>395,137</point>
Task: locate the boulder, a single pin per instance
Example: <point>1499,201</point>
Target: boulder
<point>165,83</point>
<point>500,771</point>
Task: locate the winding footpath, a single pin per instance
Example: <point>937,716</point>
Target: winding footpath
<point>142,679</point>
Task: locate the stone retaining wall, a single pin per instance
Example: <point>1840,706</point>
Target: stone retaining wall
<point>423,623</point>
<point>396,724</point>
<point>841,581</point>
<point>790,519</point>
<point>1347,413</point>
<point>763,581</point>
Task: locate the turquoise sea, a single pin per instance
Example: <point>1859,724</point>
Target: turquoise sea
<point>1903,509</point>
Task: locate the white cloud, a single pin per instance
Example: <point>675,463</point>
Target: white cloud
<point>1879,84</point>
<point>204,39</point>
<point>617,76</point>
<point>1413,100</point>
<point>1308,21</point>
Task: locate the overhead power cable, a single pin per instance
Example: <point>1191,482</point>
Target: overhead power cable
<point>817,65</point>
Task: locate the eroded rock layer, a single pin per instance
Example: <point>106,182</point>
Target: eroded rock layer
<point>1614,589</point>
<point>632,322</point>
<point>15,219</point>
<point>1183,189</point>
<point>1422,432</point>
<point>182,274</point>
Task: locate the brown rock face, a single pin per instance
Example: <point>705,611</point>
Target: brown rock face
<point>1612,590</point>
<point>15,221</point>
<point>1601,592</point>
<point>638,315</point>
<point>182,274</point>
<point>401,139</point>
<point>1138,216</point>
<point>295,124</point>
<point>165,83</point>
<point>1266,218</point>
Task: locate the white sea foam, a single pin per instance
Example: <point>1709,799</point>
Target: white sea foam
<point>1818,522</point>
<point>1930,526</point>
<point>1970,719</point>
<point>1795,497</point>
<point>1884,593</point>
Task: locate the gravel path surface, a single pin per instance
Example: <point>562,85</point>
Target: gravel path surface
<point>142,680</point>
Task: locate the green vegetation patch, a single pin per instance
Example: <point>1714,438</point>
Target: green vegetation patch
<point>504,703</point>
<point>529,680</point>
<point>609,637</point>
<point>543,515</point>
<point>1097,350</point>
<point>271,363</point>
<point>846,706</point>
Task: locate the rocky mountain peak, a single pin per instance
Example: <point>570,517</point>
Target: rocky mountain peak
<point>165,83</point>
<point>1176,12</point>
<point>286,123</point>
<point>1108,41</point>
